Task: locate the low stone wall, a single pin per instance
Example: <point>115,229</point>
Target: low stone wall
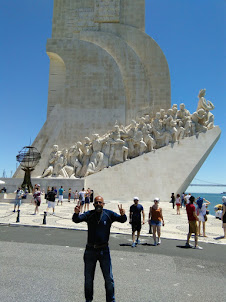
<point>12,184</point>
<point>10,198</point>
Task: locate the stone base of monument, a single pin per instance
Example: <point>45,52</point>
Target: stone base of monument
<point>12,184</point>
<point>156,174</point>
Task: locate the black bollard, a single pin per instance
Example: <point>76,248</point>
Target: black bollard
<point>44,218</point>
<point>18,216</point>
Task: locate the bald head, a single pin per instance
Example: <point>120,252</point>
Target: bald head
<point>98,203</point>
<point>98,198</point>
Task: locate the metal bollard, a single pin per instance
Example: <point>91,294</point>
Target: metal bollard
<point>44,218</point>
<point>18,216</point>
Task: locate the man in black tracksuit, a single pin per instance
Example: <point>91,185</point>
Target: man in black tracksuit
<point>99,224</point>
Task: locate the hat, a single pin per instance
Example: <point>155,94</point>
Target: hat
<point>38,185</point>
<point>156,199</point>
<point>135,198</point>
<point>199,202</point>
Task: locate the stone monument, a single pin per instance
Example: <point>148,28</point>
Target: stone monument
<point>103,68</point>
<point>110,123</point>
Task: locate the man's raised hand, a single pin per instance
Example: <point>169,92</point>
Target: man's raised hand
<point>121,210</point>
<point>77,209</point>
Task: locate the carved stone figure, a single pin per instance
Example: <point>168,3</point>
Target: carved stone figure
<point>52,160</point>
<point>87,152</point>
<point>199,119</point>
<point>162,137</point>
<point>118,150</point>
<point>162,113</point>
<point>208,121</point>
<point>74,165</point>
<point>183,113</point>
<point>171,128</point>
<point>148,139</point>
<point>59,169</point>
<point>98,160</point>
<point>139,144</point>
<point>174,112</point>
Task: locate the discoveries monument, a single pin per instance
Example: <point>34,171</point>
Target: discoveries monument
<point>109,116</point>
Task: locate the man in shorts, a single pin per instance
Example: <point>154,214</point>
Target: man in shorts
<point>81,195</point>
<point>19,194</point>
<point>61,195</point>
<point>192,220</point>
<point>51,195</point>
<point>135,220</point>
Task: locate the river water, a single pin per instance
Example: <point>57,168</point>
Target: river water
<point>213,198</point>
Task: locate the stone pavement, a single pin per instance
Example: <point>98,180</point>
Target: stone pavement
<point>176,226</point>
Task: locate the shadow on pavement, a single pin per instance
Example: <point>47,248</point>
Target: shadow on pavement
<point>184,247</point>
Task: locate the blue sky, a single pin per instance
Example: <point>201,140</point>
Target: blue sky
<point>191,33</point>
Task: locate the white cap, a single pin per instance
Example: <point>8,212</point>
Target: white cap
<point>135,198</point>
<point>156,199</point>
<point>223,198</point>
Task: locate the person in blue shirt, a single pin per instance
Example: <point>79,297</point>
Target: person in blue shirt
<point>135,219</point>
<point>61,195</point>
<point>99,223</point>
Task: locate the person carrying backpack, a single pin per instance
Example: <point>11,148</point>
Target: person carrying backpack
<point>51,196</point>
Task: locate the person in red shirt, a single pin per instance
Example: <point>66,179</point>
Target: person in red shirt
<point>192,220</point>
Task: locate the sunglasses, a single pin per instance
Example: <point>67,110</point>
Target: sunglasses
<point>98,202</point>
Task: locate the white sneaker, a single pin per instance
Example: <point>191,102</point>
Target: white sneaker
<point>197,247</point>
<point>159,241</point>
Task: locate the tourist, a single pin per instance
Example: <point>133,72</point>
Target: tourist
<point>87,200</point>
<point>224,215</point>
<point>61,195</point>
<point>76,196</point>
<point>187,199</point>
<point>55,190</point>
<point>156,220</point>
<point>51,196</point>
<point>202,204</point>
<point>3,190</point>
<point>99,223</point>
<point>178,204</point>
<point>91,196</point>
<point>37,199</point>
<point>192,218</point>
<point>48,190</point>
<point>135,219</point>
<point>173,200</point>
<point>25,193</point>
<point>33,191</point>
<point>69,195</point>
<point>82,199</point>
<point>182,199</point>
<point>19,194</point>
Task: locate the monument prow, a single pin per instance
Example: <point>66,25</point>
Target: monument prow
<point>169,169</point>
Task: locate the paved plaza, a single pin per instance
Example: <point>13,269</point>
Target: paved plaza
<point>45,262</point>
<point>176,226</point>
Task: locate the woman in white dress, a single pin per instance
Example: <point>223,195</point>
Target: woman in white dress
<point>201,213</point>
